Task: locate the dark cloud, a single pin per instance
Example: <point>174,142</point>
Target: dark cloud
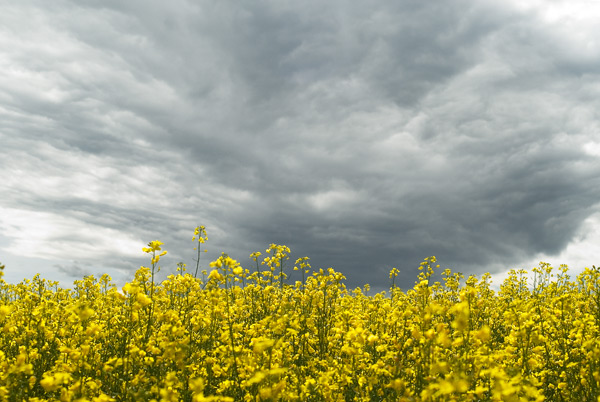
<point>364,136</point>
<point>74,270</point>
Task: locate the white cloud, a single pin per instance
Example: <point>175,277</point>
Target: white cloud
<point>580,253</point>
<point>592,148</point>
<point>333,199</point>
<point>50,236</point>
<point>575,22</point>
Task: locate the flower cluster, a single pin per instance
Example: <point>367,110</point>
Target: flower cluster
<point>239,335</point>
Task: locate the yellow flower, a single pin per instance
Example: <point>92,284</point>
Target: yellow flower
<point>215,274</point>
<point>4,311</point>
<point>49,384</point>
<point>142,299</point>
<point>483,334</point>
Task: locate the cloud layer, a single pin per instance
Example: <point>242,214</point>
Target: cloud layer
<point>365,137</point>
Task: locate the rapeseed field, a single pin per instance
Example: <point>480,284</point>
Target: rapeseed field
<point>237,334</point>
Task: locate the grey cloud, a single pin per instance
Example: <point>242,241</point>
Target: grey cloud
<point>364,136</point>
<point>74,270</point>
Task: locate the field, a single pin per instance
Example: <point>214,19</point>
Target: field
<point>239,334</point>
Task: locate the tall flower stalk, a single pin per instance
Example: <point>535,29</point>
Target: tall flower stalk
<point>201,237</point>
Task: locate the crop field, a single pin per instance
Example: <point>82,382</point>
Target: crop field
<point>232,333</point>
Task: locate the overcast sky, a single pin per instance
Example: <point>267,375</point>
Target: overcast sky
<point>364,135</point>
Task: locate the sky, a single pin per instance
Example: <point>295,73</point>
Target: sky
<point>364,135</point>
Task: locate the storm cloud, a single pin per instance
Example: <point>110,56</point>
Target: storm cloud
<point>365,136</point>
